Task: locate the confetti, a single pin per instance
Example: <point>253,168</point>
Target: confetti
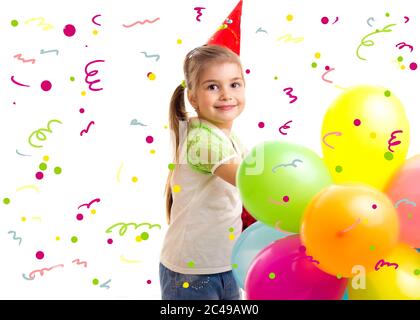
<point>87,205</point>
<point>55,50</point>
<point>371,18</point>
<point>261,30</point>
<point>140,22</point>
<point>87,129</point>
<point>91,74</point>
<point>40,135</point>
<point>93,19</point>
<point>46,26</point>
<point>325,73</point>
<point>39,255</point>
<point>405,200</point>
<point>15,237</point>
<point>402,45</point>
<point>78,262</point>
<point>19,57</point>
<point>391,141</point>
<point>69,30</point>
<point>369,43</point>
<point>199,14</point>
<point>18,83</point>
<point>46,85</point>
<point>25,155</point>
<point>328,134</point>
<point>125,226</point>
<point>151,76</point>
<point>151,56</point>
<point>274,169</point>
<point>285,127</point>
<point>381,263</point>
<point>289,93</point>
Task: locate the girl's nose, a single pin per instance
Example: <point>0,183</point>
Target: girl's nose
<point>225,95</point>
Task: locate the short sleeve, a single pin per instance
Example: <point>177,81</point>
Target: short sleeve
<point>208,149</point>
<point>241,147</point>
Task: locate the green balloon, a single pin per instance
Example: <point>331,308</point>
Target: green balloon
<point>277,180</point>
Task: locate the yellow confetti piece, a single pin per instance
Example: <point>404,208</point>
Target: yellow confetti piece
<point>176,188</point>
<point>185,285</point>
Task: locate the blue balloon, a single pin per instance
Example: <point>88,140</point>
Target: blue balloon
<point>346,295</point>
<point>255,238</point>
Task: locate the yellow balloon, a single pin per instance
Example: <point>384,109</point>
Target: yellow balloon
<point>397,277</point>
<point>365,136</point>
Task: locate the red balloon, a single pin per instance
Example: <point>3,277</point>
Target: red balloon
<point>404,191</point>
<point>247,219</point>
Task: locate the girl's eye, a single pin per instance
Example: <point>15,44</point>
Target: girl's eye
<point>236,85</point>
<point>212,87</point>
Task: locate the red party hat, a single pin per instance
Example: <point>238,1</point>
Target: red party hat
<point>229,34</point>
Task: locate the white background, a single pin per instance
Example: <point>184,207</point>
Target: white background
<point>113,147</point>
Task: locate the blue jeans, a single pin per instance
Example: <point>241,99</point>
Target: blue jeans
<point>178,286</point>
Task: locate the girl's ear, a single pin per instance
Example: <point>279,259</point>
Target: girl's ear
<point>191,99</point>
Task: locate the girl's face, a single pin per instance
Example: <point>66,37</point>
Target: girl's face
<point>220,94</point>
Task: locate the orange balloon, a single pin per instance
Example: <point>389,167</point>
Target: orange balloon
<point>349,225</point>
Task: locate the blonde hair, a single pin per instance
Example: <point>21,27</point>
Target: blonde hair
<point>194,63</point>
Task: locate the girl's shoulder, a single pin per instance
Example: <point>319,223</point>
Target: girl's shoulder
<point>199,127</point>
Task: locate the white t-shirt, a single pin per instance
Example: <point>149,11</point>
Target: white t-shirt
<point>206,210</point>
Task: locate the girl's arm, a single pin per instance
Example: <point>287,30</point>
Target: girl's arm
<point>228,171</point>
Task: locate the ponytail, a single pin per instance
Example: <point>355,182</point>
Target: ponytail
<point>177,113</point>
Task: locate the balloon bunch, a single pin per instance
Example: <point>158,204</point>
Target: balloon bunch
<point>349,220</point>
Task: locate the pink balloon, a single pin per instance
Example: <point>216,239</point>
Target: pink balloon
<point>283,271</point>
<point>404,191</point>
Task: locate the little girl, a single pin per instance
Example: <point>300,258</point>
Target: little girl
<point>203,205</point>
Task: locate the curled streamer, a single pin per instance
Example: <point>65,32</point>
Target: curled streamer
<point>391,141</point>
<point>41,271</point>
<point>87,205</point>
<point>381,263</point>
<point>91,74</point>
<point>125,226</point>
<point>40,135</point>
<point>370,43</point>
